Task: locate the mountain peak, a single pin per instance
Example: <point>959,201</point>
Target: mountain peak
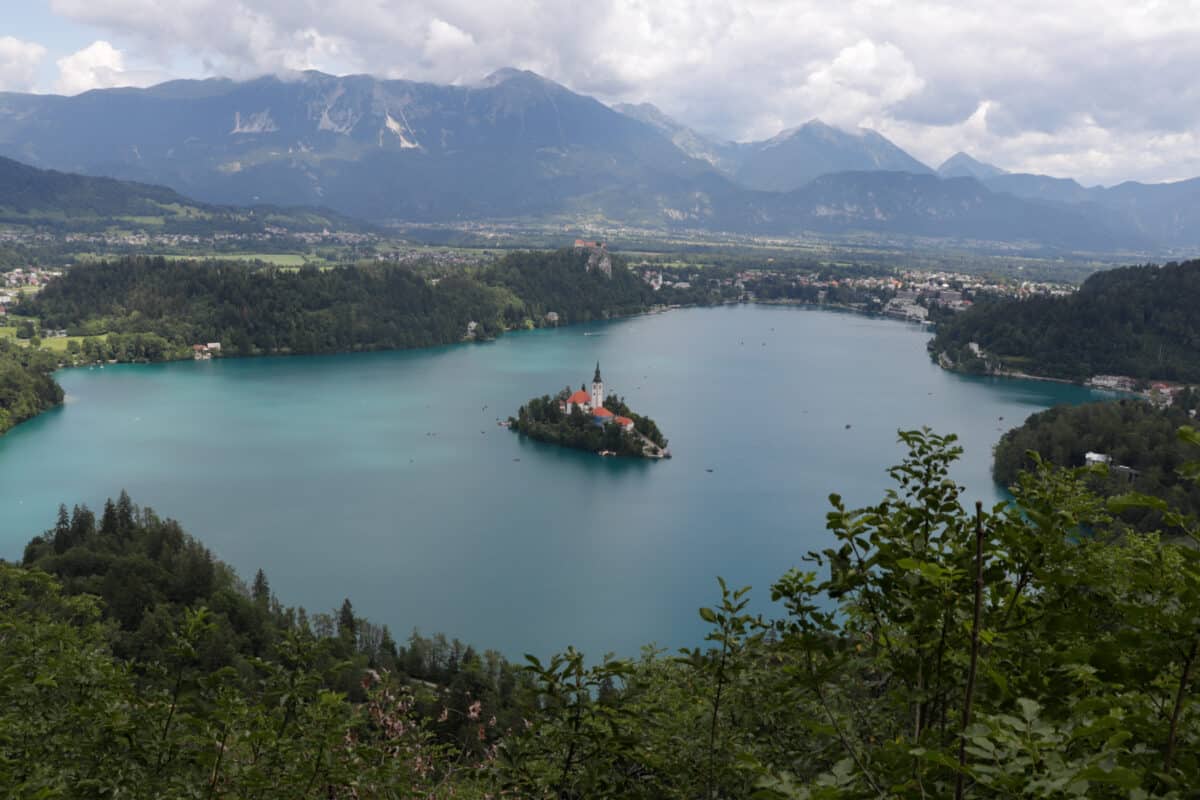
<point>513,75</point>
<point>815,128</point>
<point>797,155</point>
<point>961,165</point>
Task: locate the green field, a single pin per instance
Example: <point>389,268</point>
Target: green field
<point>59,344</point>
<point>56,344</point>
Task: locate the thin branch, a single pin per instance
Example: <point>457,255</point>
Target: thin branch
<point>970,691</point>
<point>842,735</point>
<point>1180,696</point>
<point>712,729</point>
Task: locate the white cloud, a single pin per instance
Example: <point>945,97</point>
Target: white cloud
<point>1077,84</point>
<point>861,80</point>
<point>96,66</point>
<point>19,62</point>
<point>99,66</point>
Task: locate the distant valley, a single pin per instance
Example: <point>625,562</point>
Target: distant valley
<point>519,147</point>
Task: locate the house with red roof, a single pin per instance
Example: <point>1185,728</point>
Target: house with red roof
<point>593,403</point>
<point>583,400</point>
<point>578,399</point>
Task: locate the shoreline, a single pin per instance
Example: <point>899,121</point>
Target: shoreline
<point>652,311</point>
<point>1026,376</point>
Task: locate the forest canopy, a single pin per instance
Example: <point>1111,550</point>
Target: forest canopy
<point>1140,439</point>
<point>260,310</point>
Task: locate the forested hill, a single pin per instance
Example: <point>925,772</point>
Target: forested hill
<point>561,281</point>
<point>129,640</point>
<point>1138,321</point>
<point>63,200</point>
<point>253,310</point>
<point>1133,433</point>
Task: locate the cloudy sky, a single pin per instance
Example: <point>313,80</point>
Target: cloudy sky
<point>1101,90</point>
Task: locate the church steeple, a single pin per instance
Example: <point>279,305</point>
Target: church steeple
<point>597,389</point>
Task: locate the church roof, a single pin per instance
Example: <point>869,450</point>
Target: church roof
<point>579,397</point>
<point>601,411</point>
<point>597,379</point>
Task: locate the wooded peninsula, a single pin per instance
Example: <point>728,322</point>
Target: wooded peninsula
<point>1142,322</point>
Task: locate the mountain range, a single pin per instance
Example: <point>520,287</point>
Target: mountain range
<point>517,146</point>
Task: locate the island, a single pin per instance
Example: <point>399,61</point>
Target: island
<point>602,424</point>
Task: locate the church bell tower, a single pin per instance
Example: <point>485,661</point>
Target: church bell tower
<point>597,388</point>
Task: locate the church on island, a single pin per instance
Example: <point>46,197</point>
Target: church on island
<point>594,404</point>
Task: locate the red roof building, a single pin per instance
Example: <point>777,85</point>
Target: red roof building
<point>602,413</point>
<point>625,422</point>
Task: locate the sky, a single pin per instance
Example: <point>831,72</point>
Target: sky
<point>1099,90</point>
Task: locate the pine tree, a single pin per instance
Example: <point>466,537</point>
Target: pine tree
<point>83,525</point>
<point>108,521</point>
<point>347,627</point>
<point>261,590</point>
<point>387,644</point>
<point>125,512</point>
<point>62,530</point>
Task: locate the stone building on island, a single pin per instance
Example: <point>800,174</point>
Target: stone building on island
<point>593,404</point>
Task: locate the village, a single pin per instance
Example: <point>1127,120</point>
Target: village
<point>906,295</point>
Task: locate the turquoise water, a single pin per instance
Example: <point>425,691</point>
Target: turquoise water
<point>384,477</point>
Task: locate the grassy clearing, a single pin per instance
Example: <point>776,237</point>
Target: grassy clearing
<point>58,344</point>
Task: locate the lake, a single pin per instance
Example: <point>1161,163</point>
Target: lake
<point>384,477</point>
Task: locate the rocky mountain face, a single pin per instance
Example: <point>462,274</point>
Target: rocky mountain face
<point>722,155</point>
<point>518,146</point>
<point>513,145</point>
